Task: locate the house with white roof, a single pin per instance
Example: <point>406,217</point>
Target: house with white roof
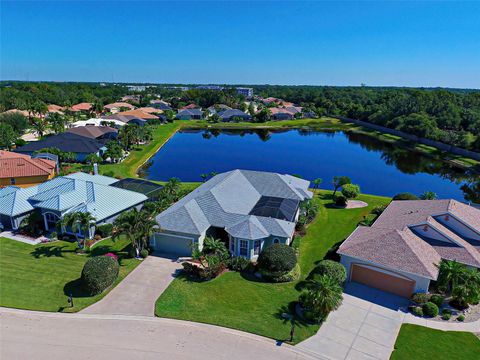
<point>248,210</point>
<point>78,192</point>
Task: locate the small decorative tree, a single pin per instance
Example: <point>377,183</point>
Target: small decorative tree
<point>350,191</point>
<point>339,181</point>
<point>324,295</point>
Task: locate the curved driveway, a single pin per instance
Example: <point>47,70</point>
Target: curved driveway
<point>37,335</point>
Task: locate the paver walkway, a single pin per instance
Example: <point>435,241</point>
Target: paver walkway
<point>138,292</point>
<point>364,327</point>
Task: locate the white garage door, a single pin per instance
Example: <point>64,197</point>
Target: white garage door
<point>172,244</point>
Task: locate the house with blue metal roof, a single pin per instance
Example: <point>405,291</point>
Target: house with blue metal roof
<point>75,192</point>
<point>248,210</point>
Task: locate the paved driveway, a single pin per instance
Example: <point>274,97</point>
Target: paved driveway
<point>364,327</point>
<point>137,293</point>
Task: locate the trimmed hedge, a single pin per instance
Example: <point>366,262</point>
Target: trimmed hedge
<point>277,258</point>
<point>420,298</point>
<point>143,253</point>
<point>430,309</point>
<point>238,263</point>
<point>104,230</point>
<point>437,300</point>
<point>99,273</point>
<point>405,196</point>
<point>292,275</point>
<point>340,200</point>
<point>332,269</point>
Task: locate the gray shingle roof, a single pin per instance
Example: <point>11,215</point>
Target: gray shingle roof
<point>226,200</point>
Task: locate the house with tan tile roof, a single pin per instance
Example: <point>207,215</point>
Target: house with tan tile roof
<point>117,106</point>
<point>82,107</point>
<point>138,113</point>
<point>23,171</point>
<point>400,252</point>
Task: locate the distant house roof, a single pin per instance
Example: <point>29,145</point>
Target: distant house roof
<point>13,165</point>
<point>118,105</point>
<point>190,106</point>
<point>294,109</point>
<point>75,192</point>
<point>215,204</point>
<point>67,142</point>
<point>123,118</point>
<point>219,107</point>
<point>413,236</point>
<point>82,107</point>
<point>190,112</point>
<point>52,108</point>
<point>150,110</point>
<point>139,114</point>
<point>277,111</point>
<point>131,98</point>
<point>92,132</point>
<point>23,112</point>
<point>227,114</point>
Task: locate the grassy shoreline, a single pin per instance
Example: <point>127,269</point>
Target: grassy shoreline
<point>139,156</point>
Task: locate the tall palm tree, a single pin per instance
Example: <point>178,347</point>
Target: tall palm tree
<point>86,221</point>
<point>428,195</point>
<point>127,224</point>
<point>451,273</point>
<point>146,228</point>
<point>316,183</point>
<point>79,222</point>
<point>172,187</point>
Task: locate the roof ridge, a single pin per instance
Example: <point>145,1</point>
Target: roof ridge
<point>406,234</point>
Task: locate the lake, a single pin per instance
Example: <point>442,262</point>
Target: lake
<point>378,167</point>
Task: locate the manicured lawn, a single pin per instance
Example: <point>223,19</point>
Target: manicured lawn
<point>418,342</point>
<point>242,303</point>
<point>139,155</point>
<point>40,277</point>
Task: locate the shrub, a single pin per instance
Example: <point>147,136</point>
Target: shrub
<point>112,255</point>
<point>437,299</point>
<point>104,230</point>
<point>405,196</point>
<point>333,269</point>
<point>430,309</point>
<point>460,317</point>
<point>417,310</point>
<point>377,210</point>
<point>322,298</point>
<point>144,253</point>
<point>277,258</point>
<point>350,191</point>
<point>132,253</point>
<point>340,200</point>
<point>99,273</point>
<point>292,275</point>
<point>53,235</point>
<point>97,237</point>
<point>238,263</point>
<point>420,298</point>
<point>446,316</point>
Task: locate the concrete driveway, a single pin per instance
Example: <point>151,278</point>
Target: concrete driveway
<point>137,293</point>
<point>364,327</point>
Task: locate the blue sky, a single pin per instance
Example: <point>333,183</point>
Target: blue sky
<point>318,43</point>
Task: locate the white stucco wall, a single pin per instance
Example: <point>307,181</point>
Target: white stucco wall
<point>421,283</point>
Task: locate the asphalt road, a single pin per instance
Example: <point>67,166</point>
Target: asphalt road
<point>37,335</point>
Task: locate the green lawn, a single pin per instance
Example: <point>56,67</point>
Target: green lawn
<point>242,303</point>
<point>421,343</point>
<point>40,277</point>
<point>139,155</point>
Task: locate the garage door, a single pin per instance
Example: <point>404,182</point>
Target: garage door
<point>379,280</point>
<point>172,244</point>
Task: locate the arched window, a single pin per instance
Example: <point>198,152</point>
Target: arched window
<point>276,241</point>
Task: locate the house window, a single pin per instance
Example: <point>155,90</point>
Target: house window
<point>243,247</point>
<point>276,241</point>
<point>232,245</point>
<point>12,181</point>
<point>256,247</point>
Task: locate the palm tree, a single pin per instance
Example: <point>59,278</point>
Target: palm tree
<point>339,181</point>
<point>214,246</point>
<point>171,187</point>
<point>204,177</point>
<point>213,174</point>
<point>428,195</point>
<point>57,122</point>
<point>324,295</point>
<point>316,183</point>
<point>146,228</point>
<point>40,126</point>
<point>127,224</point>
<point>451,273</point>
<point>79,222</point>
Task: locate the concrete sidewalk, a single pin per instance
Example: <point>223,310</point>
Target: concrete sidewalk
<point>473,326</point>
<point>138,292</point>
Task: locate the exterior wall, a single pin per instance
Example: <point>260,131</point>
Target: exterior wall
<point>421,283</point>
<point>26,181</point>
<point>251,246</point>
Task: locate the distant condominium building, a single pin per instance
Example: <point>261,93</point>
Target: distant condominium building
<point>247,92</point>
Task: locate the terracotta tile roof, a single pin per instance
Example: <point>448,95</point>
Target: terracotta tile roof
<point>81,107</point>
<point>190,106</point>
<point>415,229</point>
<point>14,165</point>
<point>52,108</point>
<point>139,114</point>
<point>119,105</point>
